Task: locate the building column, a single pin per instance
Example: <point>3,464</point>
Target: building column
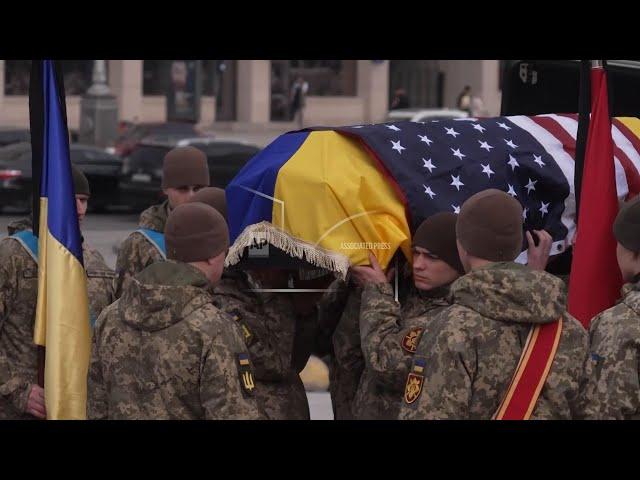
<point>254,91</point>
<point>125,80</point>
<point>483,77</point>
<point>490,93</point>
<point>373,88</point>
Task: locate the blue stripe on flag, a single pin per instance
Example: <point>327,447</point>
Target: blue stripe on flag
<point>245,207</point>
<point>57,183</point>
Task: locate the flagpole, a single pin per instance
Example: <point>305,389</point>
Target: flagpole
<point>584,110</point>
<point>42,355</point>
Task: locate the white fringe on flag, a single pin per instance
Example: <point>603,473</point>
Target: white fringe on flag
<point>315,255</point>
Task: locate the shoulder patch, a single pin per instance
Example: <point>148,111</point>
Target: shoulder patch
<point>246,333</point>
<point>415,381</point>
<point>246,375</point>
<point>411,339</point>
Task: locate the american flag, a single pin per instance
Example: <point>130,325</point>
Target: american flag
<point>437,165</point>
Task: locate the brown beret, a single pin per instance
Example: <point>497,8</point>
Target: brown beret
<point>626,228</point>
<point>185,166</point>
<point>214,197</point>
<point>195,232</point>
<point>438,235</point>
<point>489,226</point>
<point>80,182</point>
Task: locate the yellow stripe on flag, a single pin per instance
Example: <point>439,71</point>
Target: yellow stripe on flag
<point>40,327</point>
<point>352,206</point>
<point>632,124</point>
<point>64,326</point>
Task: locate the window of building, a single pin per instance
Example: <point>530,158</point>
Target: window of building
<point>157,74</point>
<point>209,77</point>
<point>155,77</point>
<point>77,76</point>
<point>324,78</point>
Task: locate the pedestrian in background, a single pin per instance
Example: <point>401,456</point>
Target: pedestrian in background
<point>298,100</point>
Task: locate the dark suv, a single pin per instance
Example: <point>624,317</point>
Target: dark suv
<point>141,179</point>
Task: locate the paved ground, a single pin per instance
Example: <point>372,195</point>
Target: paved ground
<point>105,231</point>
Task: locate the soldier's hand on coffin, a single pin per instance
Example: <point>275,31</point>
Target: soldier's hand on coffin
<point>373,274</point>
<point>538,255</point>
<point>35,402</point>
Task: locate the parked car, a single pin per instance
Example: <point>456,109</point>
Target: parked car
<point>11,135</point>
<point>101,168</point>
<point>135,133</point>
<point>140,183</point>
<point>424,114</point>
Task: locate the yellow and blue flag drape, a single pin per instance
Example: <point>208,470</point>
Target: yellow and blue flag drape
<point>319,196</point>
<point>62,323</point>
<point>331,195</point>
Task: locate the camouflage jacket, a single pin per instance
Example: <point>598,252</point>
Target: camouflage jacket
<point>612,391</point>
<point>470,350</point>
<point>390,334</point>
<point>268,324</point>
<point>136,252</point>
<point>18,297</point>
<point>328,311</point>
<point>164,351</point>
<point>348,362</point>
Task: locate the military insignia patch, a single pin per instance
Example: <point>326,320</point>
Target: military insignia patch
<point>410,340</point>
<point>248,336</point>
<point>246,333</point>
<point>415,381</point>
<point>246,375</point>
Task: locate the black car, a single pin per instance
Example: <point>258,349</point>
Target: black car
<point>140,184</point>
<point>11,135</point>
<point>101,168</point>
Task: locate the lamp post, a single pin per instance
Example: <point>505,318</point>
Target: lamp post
<point>98,110</point>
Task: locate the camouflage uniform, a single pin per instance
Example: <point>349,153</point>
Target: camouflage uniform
<point>163,351</point>
<point>471,349</point>
<point>612,391</point>
<point>390,334</point>
<point>18,297</point>
<point>349,361</point>
<point>269,326</point>
<point>136,252</point>
<point>329,310</point>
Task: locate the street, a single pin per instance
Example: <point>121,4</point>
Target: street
<point>104,232</point>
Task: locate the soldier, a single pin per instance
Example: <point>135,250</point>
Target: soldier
<point>163,351</point>
<point>612,391</point>
<point>214,197</point>
<point>338,315</point>
<point>390,333</point>
<point>268,321</point>
<point>184,172</point>
<point>471,350</point>
<point>20,396</point>
<point>343,304</point>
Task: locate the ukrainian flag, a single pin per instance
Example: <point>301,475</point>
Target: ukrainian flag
<point>319,196</point>
<point>62,323</point>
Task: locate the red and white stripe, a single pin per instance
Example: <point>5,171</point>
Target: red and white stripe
<point>557,134</point>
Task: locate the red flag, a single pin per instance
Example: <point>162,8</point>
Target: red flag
<point>595,280</point>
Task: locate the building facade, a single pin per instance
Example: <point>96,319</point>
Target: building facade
<point>256,94</point>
